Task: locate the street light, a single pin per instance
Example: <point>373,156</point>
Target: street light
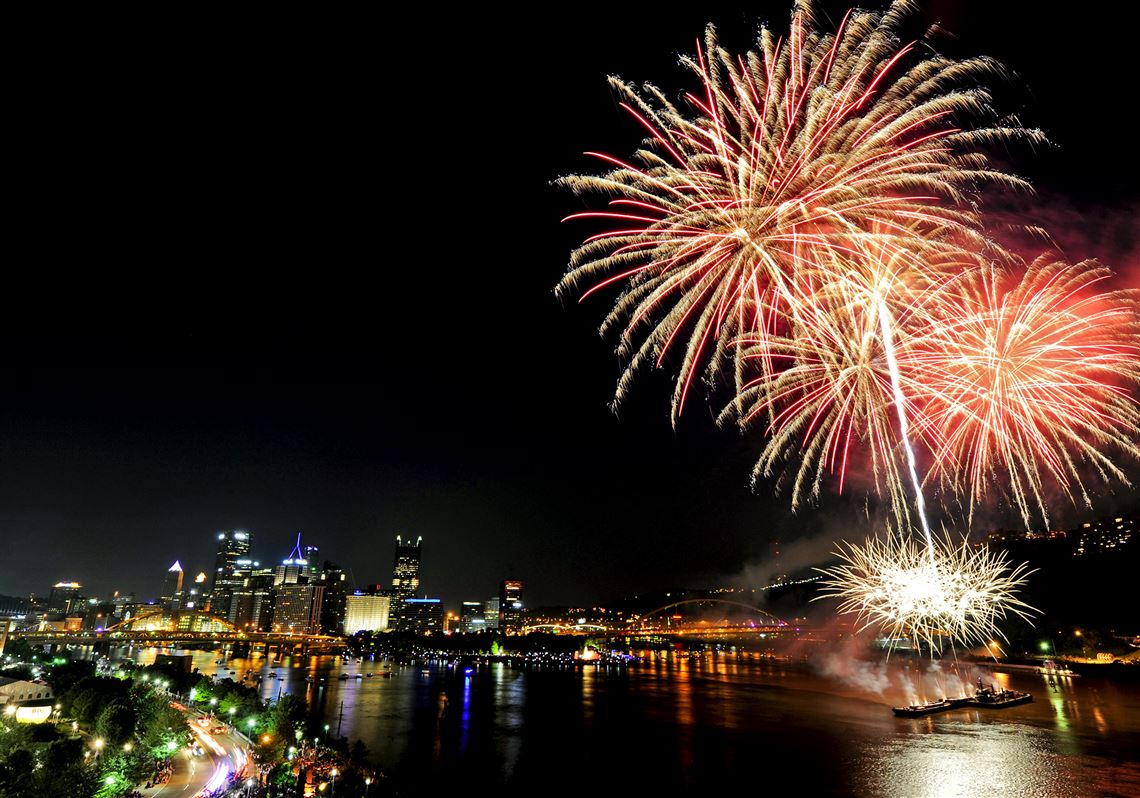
<point>332,783</point>
<point>367,785</point>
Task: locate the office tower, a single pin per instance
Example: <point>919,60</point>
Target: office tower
<point>232,546</point>
<point>242,597</point>
<point>171,596</point>
<point>510,605</point>
<point>297,608</point>
<point>252,608</point>
<point>405,579</point>
<point>297,569</point>
<point>491,613</point>
<point>364,612</point>
<point>406,570</point>
<point>62,597</point>
<point>471,617</point>
<point>420,615</point>
<point>335,581</point>
<point>100,615</point>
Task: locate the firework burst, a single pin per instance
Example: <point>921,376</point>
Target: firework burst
<point>929,595</point>
<point>827,390</point>
<point>784,154</point>
<point>1030,376</point>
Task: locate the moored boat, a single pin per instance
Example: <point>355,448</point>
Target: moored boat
<point>918,710</point>
<point>992,698</point>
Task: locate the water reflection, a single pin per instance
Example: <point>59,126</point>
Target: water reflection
<point>703,722</point>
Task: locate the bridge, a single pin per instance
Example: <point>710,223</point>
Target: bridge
<point>157,628</point>
<point>672,619</point>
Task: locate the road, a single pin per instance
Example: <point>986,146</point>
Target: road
<point>222,755</point>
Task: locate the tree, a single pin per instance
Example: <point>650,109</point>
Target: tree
<point>116,722</point>
<point>64,677</point>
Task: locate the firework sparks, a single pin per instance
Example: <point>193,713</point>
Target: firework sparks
<point>805,226</point>
<point>928,595</point>
<point>839,388</point>
<point>785,154</point>
<point>1029,376</point>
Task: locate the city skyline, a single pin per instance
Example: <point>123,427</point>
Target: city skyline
<point>351,407</point>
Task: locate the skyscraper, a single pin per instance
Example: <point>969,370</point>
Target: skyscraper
<point>405,580</point>
<point>510,605</point>
<point>172,588</point>
<point>406,570</point>
<point>63,595</point>
<point>491,613</point>
<point>335,581</point>
<point>298,608</point>
<point>471,617</point>
<point>232,546</point>
<point>252,605</point>
<point>297,568</point>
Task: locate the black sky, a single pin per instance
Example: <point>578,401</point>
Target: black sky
<point>295,274</point>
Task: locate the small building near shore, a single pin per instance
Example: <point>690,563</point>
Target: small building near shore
<point>30,702</point>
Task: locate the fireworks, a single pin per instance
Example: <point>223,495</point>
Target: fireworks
<point>927,595</point>
<point>786,155</point>
<point>835,393</point>
<point>805,227</point>
<point>1028,376</point>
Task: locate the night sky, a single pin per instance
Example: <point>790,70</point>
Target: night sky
<point>289,274</point>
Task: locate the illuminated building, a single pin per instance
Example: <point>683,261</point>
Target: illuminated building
<point>406,570</point>
<point>297,608</point>
<point>171,598</point>
<point>363,612</point>
<point>334,579</point>
<point>471,618</point>
<point>491,613</point>
<point>297,568</point>
<point>62,597</point>
<point>252,606</point>
<point>511,605</point>
<point>421,615</point>
<point>405,578</point>
<point>100,615</point>
<point>14,692</point>
<point>1106,536</point>
<point>232,546</point>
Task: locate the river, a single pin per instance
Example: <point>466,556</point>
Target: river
<point>715,721</point>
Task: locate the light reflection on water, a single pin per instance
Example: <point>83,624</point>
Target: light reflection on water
<point>709,722</point>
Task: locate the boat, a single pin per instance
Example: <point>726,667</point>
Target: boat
<point>359,676</point>
<point>992,698</point>
<point>1051,668</point>
<point>918,710</point>
<point>343,677</point>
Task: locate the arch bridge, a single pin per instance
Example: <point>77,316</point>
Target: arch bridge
<point>763,622</point>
